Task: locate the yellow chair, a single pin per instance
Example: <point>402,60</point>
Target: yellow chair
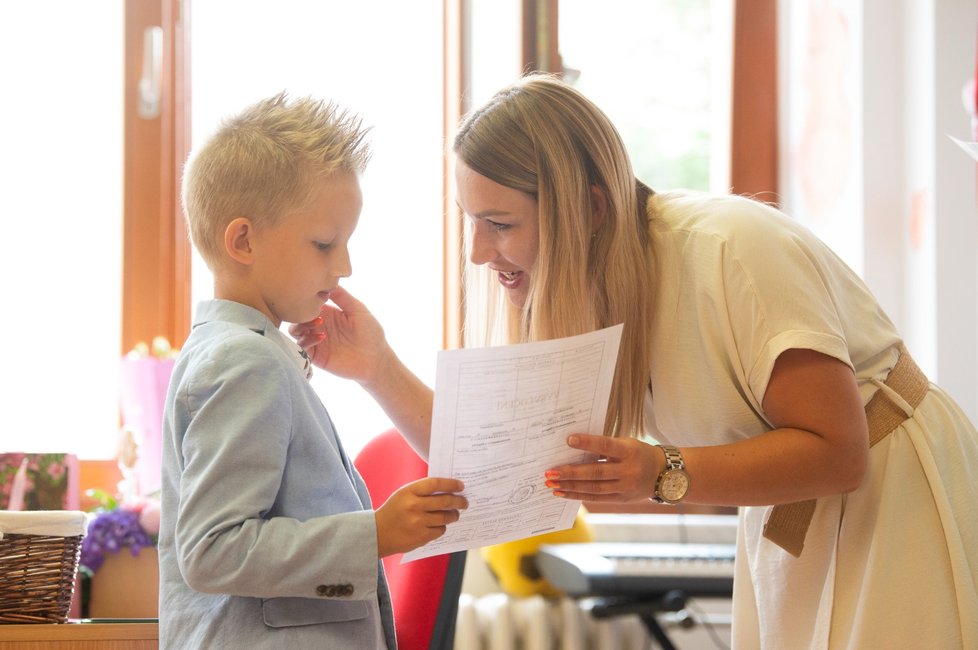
<point>514,563</point>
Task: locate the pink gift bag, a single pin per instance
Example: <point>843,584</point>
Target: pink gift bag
<point>143,387</point>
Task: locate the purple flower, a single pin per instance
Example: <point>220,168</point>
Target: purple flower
<point>110,532</point>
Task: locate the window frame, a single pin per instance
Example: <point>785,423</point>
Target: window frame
<point>156,249</point>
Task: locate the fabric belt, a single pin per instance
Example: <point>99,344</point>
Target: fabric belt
<point>788,522</point>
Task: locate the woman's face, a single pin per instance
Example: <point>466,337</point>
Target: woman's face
<point>505,229</point>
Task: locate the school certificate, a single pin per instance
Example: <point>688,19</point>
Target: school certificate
<point>501,418</point>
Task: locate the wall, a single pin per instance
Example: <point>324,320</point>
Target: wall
<point>870,90</point>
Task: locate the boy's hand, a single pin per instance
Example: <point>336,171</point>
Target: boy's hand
<point>345,339</point>
<point>418,513</point>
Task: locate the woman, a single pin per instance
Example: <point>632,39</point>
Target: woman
<point>762,365</point>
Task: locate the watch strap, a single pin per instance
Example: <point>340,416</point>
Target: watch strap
<point>674,459</point>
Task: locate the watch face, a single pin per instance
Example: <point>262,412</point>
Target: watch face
<point>673,485</point>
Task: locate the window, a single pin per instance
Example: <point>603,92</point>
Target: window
<point>69,143</point>
<point>61,162</point>
<point>391,74</point>
<point>661,72</point>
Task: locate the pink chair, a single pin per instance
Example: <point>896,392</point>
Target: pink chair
<point>424,592</point>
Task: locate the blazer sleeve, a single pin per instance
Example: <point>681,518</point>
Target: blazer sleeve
<point>234,455</point>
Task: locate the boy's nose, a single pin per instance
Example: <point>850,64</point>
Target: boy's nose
<point>344,267</point>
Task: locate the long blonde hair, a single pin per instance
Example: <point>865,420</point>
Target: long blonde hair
<point>542,137</point>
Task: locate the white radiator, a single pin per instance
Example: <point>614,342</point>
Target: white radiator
<point>498,622</point>
<point>488,620</point>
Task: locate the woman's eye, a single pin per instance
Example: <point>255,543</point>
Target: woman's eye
<point>495,225</point>
<point>323,246</point>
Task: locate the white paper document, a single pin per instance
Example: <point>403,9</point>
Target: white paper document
<point>501,418</point>
<point>971,148</point>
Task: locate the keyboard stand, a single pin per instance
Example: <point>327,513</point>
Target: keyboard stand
<point>646,608</point>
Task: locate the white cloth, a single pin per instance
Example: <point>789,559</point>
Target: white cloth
<point>739,284</point>
<point>53,523</point>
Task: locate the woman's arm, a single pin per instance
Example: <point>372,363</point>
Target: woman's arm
<point>820,446</point>
<point>349,342</point>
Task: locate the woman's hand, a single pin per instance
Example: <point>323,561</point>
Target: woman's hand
<point>345,339</point>
<point>349,342</point>
<point>626,470</point>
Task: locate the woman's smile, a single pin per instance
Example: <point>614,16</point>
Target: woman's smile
<point>510,279</point>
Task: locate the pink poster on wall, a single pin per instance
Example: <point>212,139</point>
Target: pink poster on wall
<point>38,481</point>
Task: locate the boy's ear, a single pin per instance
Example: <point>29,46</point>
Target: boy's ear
<point>237,240</point>
<point>599,207</point>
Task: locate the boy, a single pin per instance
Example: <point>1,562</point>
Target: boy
<point>267,537</point>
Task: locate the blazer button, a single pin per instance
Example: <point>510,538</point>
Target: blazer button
<point>347,590</point>
<point>324,590</point>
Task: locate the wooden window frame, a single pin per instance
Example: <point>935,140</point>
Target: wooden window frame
<point>754,87</point>
<point>156,249</point>
<point>754,101</point>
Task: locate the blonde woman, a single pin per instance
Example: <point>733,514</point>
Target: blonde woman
<point>762,366</point>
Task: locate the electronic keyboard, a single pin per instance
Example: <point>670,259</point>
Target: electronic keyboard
<point>638,569</point>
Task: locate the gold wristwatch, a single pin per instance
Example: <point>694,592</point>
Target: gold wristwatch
<point>673,482</point>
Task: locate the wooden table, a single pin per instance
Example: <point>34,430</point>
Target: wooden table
<point>142,635</point>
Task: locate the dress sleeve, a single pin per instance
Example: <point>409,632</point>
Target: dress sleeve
<point>784,290</point>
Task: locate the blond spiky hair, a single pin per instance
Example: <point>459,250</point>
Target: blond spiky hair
<point>265,162</point>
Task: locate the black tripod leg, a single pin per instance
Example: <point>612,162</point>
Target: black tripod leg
<point>652,624</point>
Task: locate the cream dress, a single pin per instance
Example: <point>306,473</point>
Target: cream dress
<point>893,564</point>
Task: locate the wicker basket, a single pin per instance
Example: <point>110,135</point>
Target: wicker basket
<point>38,562</point>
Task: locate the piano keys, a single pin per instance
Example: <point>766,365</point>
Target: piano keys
<point>638,569</point>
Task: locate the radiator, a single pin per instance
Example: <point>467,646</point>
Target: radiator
<point>498,622</point>
<point>489,620</point>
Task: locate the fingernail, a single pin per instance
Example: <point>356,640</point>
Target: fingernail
<point>552,484</point>
<point>558,493</point>
<point>573,440</point>
<point>552,473</point>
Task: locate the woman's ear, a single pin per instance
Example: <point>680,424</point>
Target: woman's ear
<point>237,240</point>
<point>599,207</point>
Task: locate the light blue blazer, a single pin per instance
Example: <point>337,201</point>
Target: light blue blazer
<point>267,538</point>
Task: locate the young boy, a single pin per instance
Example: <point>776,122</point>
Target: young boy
<point>267,536</point>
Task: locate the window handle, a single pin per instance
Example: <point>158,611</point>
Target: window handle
<point>152,78</point>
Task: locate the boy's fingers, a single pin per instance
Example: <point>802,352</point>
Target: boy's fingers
<point>436,484</point>
<point>442,518</point>
<point>448,502</point>
<point>450,516</point>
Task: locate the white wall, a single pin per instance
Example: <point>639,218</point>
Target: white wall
<point>955,221</point>
<point>903,215</point>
